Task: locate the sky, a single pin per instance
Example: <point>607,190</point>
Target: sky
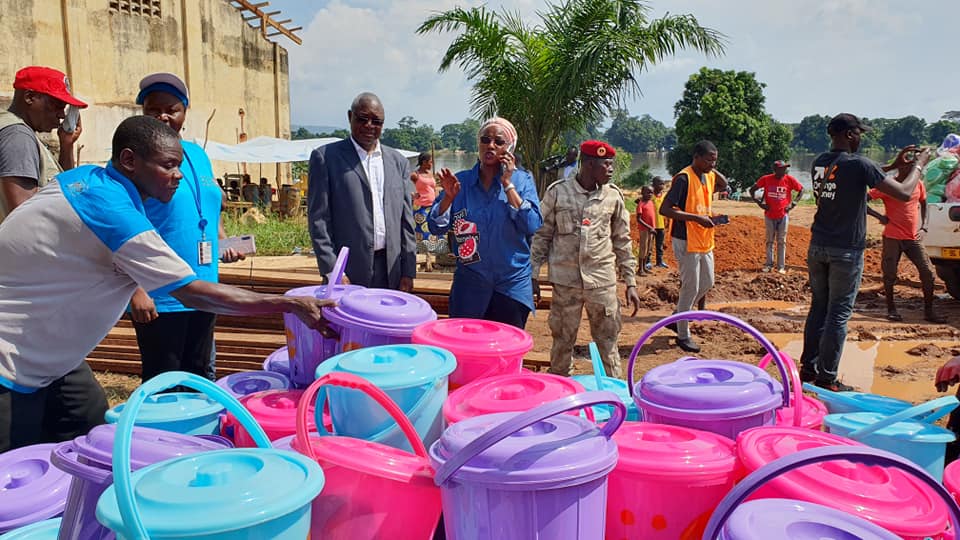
<point>874,58</point>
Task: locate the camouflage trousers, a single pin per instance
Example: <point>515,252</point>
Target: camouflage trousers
<point>603,312</point>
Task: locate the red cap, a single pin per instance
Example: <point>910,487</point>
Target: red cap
<point>597,149</point>
<point>46,81</point>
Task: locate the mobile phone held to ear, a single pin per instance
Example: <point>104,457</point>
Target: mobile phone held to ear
<point>72,117</point>
<point>510,148</point>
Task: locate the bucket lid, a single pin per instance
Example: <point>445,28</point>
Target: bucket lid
<point>370,458</point>
<point>248,382</point>
<point>561,450</point>
<point>507,393</point>
<point>474,337</point>
<point>147,445</point>
<point>171,407</point>
<point>48,529</point>
<point>394,366</point>
<point>811,416</point>
<point>710,388</point>
<point>274,409</point>
<point>783,518</point>
<point>235,488</point>
<point>319,291</point>
<point>875,493</point>
<point>664,450</point>
<point>31,489</point>
<point>278,361</point>
<point>394,313</point>
<point>904,431</point>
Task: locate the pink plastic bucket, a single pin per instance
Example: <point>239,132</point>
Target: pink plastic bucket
<point>812,410</point>
<point>667,482</point>
<point>274,410</point>
<point>890,498</point>
<point>507,393</point>
<point>372,490</point>
<point>951,479</point>
<point>483,348</point>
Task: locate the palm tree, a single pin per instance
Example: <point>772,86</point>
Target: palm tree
<point>573,68</point>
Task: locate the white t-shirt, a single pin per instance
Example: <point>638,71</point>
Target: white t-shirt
<point>373,166</point>
<point>72,256</point>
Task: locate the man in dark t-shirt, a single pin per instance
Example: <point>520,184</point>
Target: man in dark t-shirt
<point>841,179</point>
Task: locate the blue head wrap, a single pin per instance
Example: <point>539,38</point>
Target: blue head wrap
<point>165,88</point>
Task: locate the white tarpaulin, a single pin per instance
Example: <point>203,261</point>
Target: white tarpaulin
<point>271,150</point>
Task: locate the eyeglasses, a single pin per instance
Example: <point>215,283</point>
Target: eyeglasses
<point>497,141</point>
<point>364,120</point>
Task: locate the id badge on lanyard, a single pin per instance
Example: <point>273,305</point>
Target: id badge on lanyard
<point>204,246</point>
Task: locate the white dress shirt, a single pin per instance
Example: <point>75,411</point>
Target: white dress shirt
<point>373,165</point>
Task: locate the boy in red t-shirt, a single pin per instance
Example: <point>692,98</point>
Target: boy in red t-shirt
<point>777,204</point>
<point>901,235</point>
<point>646,220</point>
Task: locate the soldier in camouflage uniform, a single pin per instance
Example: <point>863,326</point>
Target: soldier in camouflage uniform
<point>585,238</point>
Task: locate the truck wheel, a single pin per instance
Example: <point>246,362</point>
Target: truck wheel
<point>951,278</point>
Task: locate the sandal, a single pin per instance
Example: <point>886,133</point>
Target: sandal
<point>894,316</point>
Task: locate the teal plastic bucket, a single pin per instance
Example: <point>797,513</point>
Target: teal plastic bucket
<point>921,442</point>
<point>48,529</point>
<point>190,413</point>
<point>415,378</point>
<point>600,381</point>
<point>234,494</point>
<point>848,402</point>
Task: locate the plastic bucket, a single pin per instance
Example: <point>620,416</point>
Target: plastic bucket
<point>922,443</point>
<point>278,362</point>
<point>721,396</point>
<point>535,474</point>
<point>790,519</point>
<point>951,479</point>
<point>845,402</point>
<point>372,490</point>
<point>415,378</point>
<point>483,348</point>
<point>249,382</point>
<point>507,393</point>
<point>189,413</point>
<point>41,530</point>
<point>812,409</point>
<point>371,317</point>
<point>31,489</point>
<point>890,498</point>
<point>600,381</point>
<point>307,347</point>
<point>667,482</point>
<point>274,410</point>
<point>88,459</point>
<point>233,494</point>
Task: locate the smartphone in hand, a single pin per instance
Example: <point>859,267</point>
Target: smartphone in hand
<point>720,220</point>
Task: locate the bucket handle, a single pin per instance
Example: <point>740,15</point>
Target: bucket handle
<point>336,275</point>
<point>794,381</point>
<point>129,512</point>
<point>836,396</point>
<point>63,457</point>
<point>515,423</point>
<point>721,317</point>
<point>349,380</point>
<point>865,455</point>
<point>942,405</point>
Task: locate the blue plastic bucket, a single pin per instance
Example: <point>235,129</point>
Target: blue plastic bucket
<point>190,413</point>
<point>234,494</point>
<point>848,402</point>
<point>921,442</point>
<point>415,378</point>
<point>42,530</point>
<point>600,381</point>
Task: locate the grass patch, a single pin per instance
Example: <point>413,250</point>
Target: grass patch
<point>274,237</point>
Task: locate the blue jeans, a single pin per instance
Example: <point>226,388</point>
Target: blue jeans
<point>834,280</point>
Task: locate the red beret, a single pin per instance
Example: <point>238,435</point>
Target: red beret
<point>597,149</point>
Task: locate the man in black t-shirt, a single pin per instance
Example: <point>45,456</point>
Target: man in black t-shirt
<point>841,179</point>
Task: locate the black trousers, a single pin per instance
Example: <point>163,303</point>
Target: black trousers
<point>68,408</point>
<point>504,309</point>
<point>177,341</point>
<point>380,278</point>
<point>659,235</point>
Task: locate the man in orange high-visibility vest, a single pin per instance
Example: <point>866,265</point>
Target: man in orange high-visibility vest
<point>688,205</point>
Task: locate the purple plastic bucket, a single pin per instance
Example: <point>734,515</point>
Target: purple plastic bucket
<point>307,347</point>
<point>278,362</point>
<point>721,396</point>
<point>371,317</point>
<point>31,490</point>
<point>89,459</point>
<point>535,474</point>
<point>790,519</point>
<point>249,382</point>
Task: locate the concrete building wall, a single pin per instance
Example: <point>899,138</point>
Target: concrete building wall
<point>227,65</point>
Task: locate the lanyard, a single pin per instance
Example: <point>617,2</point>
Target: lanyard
<point>196,195</point>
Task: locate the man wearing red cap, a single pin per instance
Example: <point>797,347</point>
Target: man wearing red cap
<point>585,238</point>
<point>777,204</point>
<point>40,97</point>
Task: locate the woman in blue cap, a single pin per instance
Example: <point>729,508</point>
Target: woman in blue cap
<point>170,335</point>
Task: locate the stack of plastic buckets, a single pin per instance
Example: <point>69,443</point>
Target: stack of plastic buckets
<point>189,413</point>
<point>236,493</point>
<point>415,378</point>
<point>278,362</point>
<point>274,410</point>
<point>507,393</point>
<point>371,317</point>
<point>535,474</point>
<point>31,490</point>
<point>482,348</point>
<point>307,347</point>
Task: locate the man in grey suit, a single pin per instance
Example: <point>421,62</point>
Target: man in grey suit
<point>359,197</point>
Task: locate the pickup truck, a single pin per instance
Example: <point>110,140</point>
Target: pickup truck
<point>942,243</point>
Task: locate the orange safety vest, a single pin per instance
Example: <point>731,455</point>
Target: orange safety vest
<point>699,196</point>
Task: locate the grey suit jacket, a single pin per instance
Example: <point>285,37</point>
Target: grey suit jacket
<point>341,212</point>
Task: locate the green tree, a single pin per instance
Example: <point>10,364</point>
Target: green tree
<point>937,131</point>
<point>727,107</point>
<point>902,132</point>
<point>810,135</point>
<point>566,72</point>
<point>411,135</point>
<point>639,177</point>
<point>644,134</point>
<point>302,133</point>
